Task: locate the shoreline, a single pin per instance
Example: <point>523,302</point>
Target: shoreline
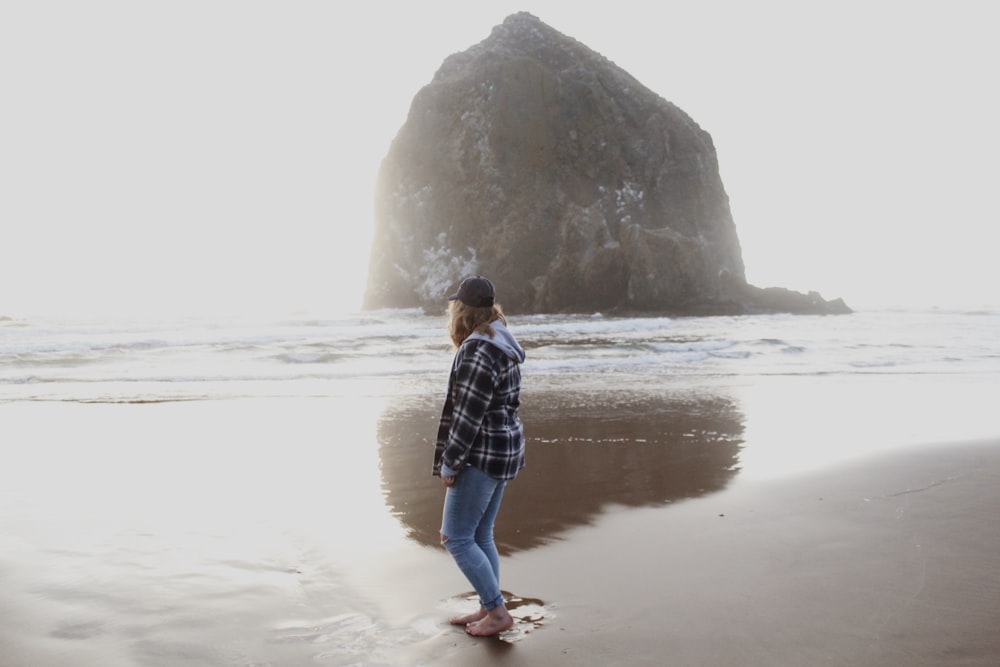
<point>301,531</point>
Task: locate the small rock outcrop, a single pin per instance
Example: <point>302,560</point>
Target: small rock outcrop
<point>533,160</point>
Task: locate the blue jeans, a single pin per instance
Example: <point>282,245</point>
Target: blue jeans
<point>470,508</point>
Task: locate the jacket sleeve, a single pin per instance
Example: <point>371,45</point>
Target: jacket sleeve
<point>444,427</point>
<point>471,395</point>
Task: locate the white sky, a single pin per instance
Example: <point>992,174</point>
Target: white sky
<point>190,156</point>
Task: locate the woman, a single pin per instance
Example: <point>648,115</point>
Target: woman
<point>480,444</point>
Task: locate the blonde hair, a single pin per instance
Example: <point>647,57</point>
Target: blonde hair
<point>465,320</point>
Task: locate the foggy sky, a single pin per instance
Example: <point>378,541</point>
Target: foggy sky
<point>220,156</point>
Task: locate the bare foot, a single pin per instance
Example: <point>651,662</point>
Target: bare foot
<point>469,618</point>
<point>495,622</point>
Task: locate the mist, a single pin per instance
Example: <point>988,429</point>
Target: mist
<point>220,157</point>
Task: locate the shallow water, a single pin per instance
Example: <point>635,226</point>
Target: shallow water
<point>249,493</point>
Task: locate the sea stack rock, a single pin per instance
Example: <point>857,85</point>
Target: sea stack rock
<point>537,162</point>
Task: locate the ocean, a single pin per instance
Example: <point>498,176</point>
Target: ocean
<point>793,391</point>
<point>257,491</point>
<point>122,361</point>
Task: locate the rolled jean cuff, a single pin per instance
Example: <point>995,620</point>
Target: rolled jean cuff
<point>493,604</point>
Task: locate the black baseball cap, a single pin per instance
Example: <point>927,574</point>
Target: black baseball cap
<point>477,292</point>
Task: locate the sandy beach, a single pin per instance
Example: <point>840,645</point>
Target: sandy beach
<point>888,562</point>
<point>302,531</point>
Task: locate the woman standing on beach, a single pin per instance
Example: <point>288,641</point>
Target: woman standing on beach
<point>480,444</point>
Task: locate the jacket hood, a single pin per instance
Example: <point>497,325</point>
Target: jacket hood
<point>503,339</point>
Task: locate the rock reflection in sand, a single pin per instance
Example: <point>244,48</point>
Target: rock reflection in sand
<point>585,452</point>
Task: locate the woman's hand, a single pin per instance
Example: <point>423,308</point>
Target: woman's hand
<point>448,475</point>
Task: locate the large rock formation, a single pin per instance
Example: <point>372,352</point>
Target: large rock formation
<point>537,162</point>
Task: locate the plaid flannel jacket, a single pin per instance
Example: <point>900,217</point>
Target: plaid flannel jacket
<point>479,424</point>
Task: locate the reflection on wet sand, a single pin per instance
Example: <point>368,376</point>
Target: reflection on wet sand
<point>584,453</point>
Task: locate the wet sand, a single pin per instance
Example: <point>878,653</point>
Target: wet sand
<point>892,561</point>
<point>303,531</point>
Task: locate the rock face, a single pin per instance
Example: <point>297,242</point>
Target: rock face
<point>537,162</point>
